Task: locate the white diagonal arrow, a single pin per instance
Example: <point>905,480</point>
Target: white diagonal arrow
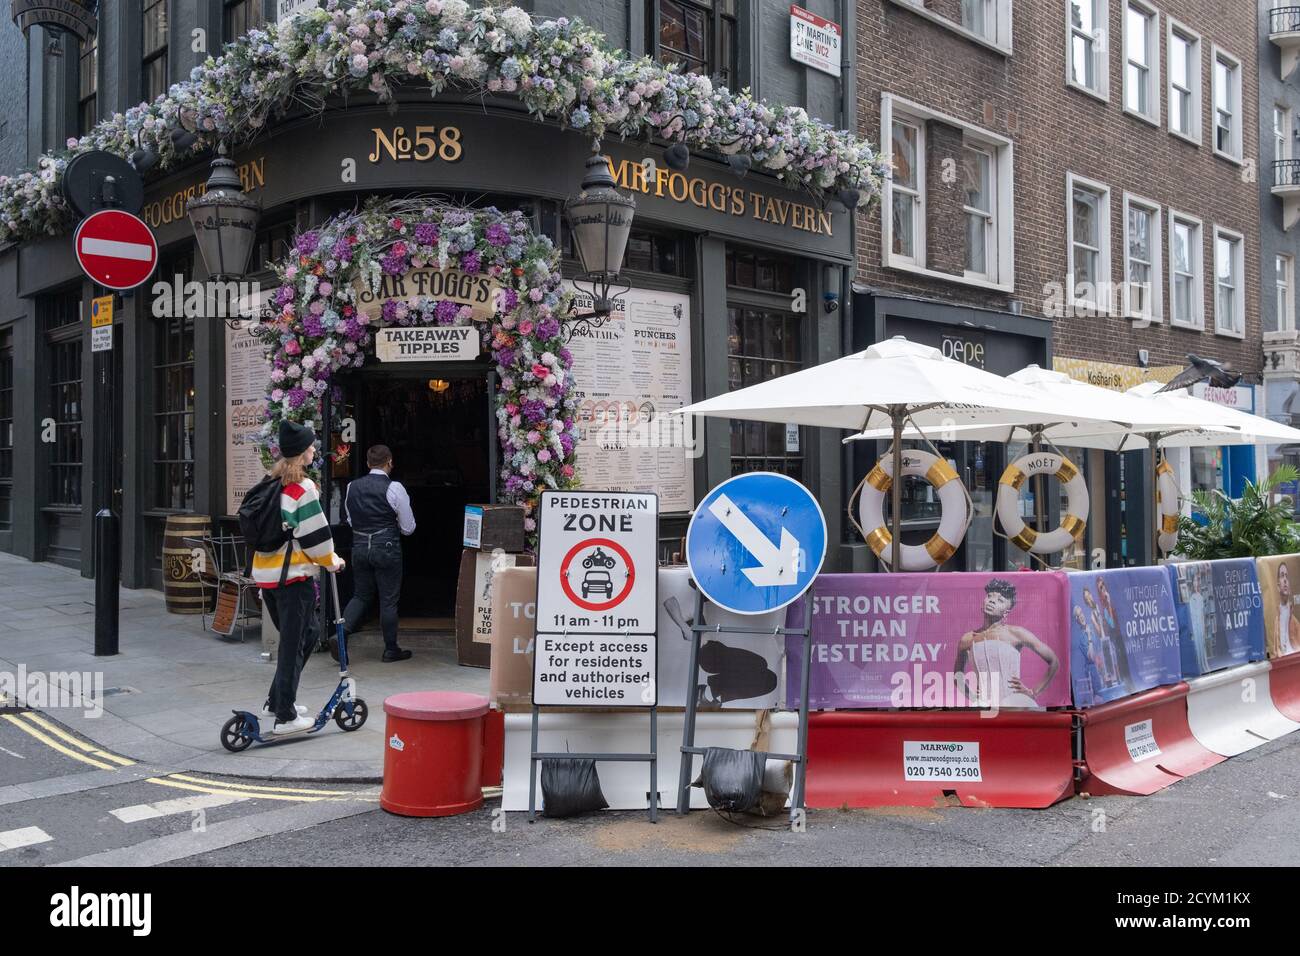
<point>771,559</point>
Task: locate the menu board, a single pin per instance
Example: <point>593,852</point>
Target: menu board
<point>628,375</point>
<point>247,375</point>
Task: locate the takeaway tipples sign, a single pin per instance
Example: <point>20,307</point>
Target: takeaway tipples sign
<point>427,343</point>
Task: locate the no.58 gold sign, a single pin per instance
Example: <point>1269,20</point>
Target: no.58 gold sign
<point>428,142</point>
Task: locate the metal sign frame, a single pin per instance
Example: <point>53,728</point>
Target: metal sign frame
<point>688,749</point>
<point>652,756</point>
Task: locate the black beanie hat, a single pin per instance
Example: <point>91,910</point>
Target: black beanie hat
<point>295,439</point>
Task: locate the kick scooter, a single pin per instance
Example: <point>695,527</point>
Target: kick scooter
<point>349,711</point>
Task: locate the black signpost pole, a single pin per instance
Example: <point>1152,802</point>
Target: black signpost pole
<point>108,551</point>
<point>93,182</point>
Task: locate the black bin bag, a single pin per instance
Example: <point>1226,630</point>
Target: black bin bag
<point>570,786</point>
<point>732,779</point>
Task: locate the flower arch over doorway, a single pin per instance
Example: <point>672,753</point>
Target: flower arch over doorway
<point>320,327</point>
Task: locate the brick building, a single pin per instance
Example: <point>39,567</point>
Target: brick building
<point>1068,174</point>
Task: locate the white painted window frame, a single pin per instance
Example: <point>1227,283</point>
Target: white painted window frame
<point>1153,61</point>
<point>1238,246</point>
<point>1284,287</point>
<point>999,42</point>
<point>1103,304</point>
<point>1100,51</point>
<point>1198,271</point>
<point>1156,294</point>
<point>1239,109</point>
<point>1004,190</point>
<point>1172,26</point>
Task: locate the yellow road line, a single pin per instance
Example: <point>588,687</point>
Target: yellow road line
<point>249,786</point>
<point>55,745</point>
<point>258,796</point>
<point>76,741</point>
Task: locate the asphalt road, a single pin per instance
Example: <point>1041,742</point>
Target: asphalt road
<point>63,802</point>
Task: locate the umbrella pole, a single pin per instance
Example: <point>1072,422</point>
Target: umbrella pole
<point>1155,495</point>
<point>896,413</point>
<point>1039,485</point>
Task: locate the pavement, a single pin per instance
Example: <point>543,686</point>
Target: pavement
<point>172,686</point>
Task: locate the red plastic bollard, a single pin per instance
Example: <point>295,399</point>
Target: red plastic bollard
<point>433,753</point>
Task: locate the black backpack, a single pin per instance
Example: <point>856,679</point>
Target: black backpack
<point>262,525</point>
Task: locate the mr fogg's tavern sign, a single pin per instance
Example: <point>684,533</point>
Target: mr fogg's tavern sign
<point>77,17</point>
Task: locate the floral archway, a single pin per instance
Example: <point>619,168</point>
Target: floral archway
<point>320,327</point>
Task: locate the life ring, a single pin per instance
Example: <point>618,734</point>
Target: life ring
<point>1167,505</point>
<point>947,486</point>
<point>1072,524</point>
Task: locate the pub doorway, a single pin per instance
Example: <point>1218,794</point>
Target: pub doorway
<point>440,425</point>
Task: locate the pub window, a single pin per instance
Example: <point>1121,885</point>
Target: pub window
<point>6,428</point>
<point>751,270</point>
<point>153,49</point>
<point>272,244</point>
<point>646,252</point>
<point>64,357</point>
<point>763,344</point>
<point>173,406</point>
<point>242,16</point>
<point>764,341</point>
<point>698,34</point>
<point>88,85</point>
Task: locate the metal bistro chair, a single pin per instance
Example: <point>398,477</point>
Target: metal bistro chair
<point>223,569</point>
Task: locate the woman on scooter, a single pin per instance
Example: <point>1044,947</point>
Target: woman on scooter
<point>292,604</point>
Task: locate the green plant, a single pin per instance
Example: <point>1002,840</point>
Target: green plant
<point>1245,527</point>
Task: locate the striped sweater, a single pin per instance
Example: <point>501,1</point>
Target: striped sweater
<point>313,545</point>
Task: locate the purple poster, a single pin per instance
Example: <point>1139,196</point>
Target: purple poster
<point>1123,634</point>
<point>933,640</point>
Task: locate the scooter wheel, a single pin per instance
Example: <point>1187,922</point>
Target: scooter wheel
<point>359,714</point>
<point>234,736</point>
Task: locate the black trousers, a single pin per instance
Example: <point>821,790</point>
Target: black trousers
<point>376,572</point>
<point>293,612</point>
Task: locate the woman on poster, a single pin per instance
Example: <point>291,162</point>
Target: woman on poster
<point>1111,621</point>
<point>994,651</point>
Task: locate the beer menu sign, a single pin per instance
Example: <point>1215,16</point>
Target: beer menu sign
<point>479,292</point>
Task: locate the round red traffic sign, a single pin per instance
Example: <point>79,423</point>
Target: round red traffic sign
<point>598,578</point>
<point>116,249</point>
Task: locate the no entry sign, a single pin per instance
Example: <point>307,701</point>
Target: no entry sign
<point>116,249</point>
<point>596,593</point>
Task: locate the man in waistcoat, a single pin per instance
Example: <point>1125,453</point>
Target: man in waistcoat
<point>379,511</point>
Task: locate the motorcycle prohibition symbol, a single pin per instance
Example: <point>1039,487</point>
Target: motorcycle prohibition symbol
<point>598,559</point>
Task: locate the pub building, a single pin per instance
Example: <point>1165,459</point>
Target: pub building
<point>732,278</point>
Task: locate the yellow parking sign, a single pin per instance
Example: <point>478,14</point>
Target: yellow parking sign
<point>101,311</point>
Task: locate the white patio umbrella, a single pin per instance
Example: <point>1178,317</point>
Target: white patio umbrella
<point>891,382</point>
<point>1121,420</point>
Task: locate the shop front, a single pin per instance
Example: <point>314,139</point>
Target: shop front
<point>998,342</point>
<point>729,277</point>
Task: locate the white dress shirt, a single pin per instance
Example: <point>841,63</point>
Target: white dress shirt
<point>399,501</point>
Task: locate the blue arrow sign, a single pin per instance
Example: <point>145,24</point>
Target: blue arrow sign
<point>756,542</point>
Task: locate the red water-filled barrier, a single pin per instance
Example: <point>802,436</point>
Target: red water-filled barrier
<point>1284,685</point>
<point>924,758</point>
<point>1140,744</point>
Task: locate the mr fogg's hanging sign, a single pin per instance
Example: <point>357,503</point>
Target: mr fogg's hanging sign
<point>596,599</point>
<point>478,292</point>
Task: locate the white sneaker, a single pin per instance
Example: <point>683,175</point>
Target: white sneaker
<point>268,712</point>
<point>299,723</point>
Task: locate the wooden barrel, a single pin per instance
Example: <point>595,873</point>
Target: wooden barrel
<point>181,586</point>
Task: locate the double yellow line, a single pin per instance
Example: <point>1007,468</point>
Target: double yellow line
<point>65,743</point>
<point>182,781</point>
<point>58,739</point>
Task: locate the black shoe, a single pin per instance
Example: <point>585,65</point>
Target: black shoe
<point>397,655</point>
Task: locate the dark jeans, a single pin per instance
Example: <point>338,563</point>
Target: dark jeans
<point>376,571</point>
<point>293,612</point>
